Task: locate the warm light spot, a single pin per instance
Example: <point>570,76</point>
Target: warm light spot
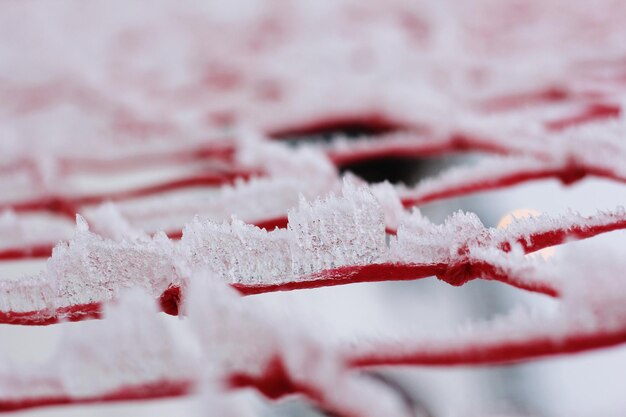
<point>524,213</point>
<point>520,213</point>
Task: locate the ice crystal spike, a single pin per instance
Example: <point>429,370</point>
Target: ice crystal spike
<point>337,231</point>
<point>108,221</point>
<point>420,241</point>
<point>389,199</point>
<point>237,252</point>
<point>87,271</point>
<point>91,269</point>
<point>324,234</point>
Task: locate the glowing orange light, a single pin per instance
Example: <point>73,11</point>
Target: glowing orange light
<point>524,213</point>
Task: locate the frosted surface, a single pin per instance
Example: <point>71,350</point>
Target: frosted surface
<point>324,234</point>
<point>591,306</point>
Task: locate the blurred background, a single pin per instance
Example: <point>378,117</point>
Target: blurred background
<point>134,54</point>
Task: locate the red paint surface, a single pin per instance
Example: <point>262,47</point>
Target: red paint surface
<point>161,389</point>
<point>567,175</point>
<point>45,317</point>
<point>554,94</point>
<point>274,382</point>
<point>540,240</point>
<point>69,205</point>
<point>348,275</point>
<point>268,224</point>
<point>372,123</point>
<point>592,113</point>
<point>419,149</point>
<point>485,353</point>
<point>170,300</point>
<point>213,151</point>
<point>32,252</point>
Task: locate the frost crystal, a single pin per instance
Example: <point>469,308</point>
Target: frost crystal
<point>420,241</point>
<point>91,269</point>
<point>335,232</point>
<point>237,251</point>
<point>325,234</point>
